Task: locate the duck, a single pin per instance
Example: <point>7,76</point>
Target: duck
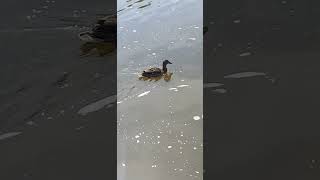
<point>105,30</point>
<point>155,71</point>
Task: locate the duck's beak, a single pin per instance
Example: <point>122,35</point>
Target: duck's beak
<point>169,62</point>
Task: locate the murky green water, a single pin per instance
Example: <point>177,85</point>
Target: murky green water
<point>160,122</point>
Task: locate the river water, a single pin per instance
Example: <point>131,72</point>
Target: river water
<point>159,121</point>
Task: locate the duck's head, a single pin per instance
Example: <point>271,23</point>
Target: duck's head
<point>166,62</point>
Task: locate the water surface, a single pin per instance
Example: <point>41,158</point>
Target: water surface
<point>160,122</point>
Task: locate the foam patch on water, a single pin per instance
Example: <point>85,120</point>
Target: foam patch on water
<point>245,74</point>
<point>97,105</point>
<point>9,135</point>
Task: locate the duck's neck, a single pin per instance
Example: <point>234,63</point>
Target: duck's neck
<point>164,67</point>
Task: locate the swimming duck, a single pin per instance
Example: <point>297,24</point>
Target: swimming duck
<point>156,72</point>
<point>105,30</point>
<point>166,77</point>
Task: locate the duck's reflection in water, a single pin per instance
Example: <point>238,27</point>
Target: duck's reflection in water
<point>167,77</point>
<point>97,48</point>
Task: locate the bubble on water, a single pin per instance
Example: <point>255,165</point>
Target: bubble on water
<point>134,30</point>
<point>123,164</point>
<point>195,148</point>
<point>196,118</point>
<point>137,136</point>
<point>169,147</point>
<point>138,141</point>
<point>193,39</point>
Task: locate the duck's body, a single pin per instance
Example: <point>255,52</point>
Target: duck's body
<point>104,31</point>
<point>156,72</point>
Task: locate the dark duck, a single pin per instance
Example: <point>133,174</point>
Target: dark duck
<point>105,30</point>
<point>156,72</point>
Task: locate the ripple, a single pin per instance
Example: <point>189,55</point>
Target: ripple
<point>245,74</point>
<point>97,105</point>
<point>9,135</point>
<point>144,94</point>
